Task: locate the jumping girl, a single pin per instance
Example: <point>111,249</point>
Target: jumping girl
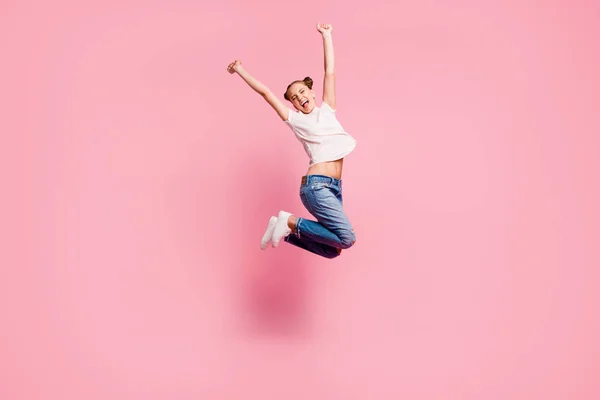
<point>326,143</point>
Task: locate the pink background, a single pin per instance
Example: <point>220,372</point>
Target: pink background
<point>139,176</point>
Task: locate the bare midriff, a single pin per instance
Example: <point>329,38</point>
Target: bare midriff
<point>327,168</point>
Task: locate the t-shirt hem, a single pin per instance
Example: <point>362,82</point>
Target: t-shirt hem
<point>337,157</point>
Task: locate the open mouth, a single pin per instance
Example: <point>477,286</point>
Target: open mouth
<point>305,103</point>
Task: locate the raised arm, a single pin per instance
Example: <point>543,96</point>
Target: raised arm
<point>260,88</point>
<point>329,79</point>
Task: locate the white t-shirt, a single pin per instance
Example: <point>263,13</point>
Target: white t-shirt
<point>321,134</point>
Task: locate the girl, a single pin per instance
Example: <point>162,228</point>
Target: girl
<point>326,143</point>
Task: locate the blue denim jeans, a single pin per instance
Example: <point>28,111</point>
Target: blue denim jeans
<point>332,231</point>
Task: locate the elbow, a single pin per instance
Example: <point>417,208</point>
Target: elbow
<point>329,72</point>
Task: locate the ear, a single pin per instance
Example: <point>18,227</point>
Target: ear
<point>313,93</point>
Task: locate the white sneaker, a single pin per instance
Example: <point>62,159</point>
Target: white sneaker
<point>281,228</point>
<point>266,239</point>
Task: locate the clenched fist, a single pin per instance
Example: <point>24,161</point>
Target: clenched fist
<point>234,66</point>
<point>324,29</point>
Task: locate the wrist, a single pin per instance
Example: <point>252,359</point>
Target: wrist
<point>326,35</point>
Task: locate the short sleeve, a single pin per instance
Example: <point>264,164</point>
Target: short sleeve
<point>327,106</point>
<point>291,117</point>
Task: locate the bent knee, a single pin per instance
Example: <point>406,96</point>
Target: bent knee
<point>346,245</point>
<point>348,241</point>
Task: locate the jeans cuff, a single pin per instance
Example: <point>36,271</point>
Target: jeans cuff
<point>298,220</point>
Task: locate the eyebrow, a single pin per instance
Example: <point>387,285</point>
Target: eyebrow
<point>295,94</point>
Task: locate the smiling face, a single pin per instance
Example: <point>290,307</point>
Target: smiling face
<point>301,97</point>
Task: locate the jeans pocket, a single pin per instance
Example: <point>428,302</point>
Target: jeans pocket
<point>319,186</point>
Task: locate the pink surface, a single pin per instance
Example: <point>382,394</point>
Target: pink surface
<point>140,176</point>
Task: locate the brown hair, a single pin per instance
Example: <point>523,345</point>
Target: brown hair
<point>307,81</point>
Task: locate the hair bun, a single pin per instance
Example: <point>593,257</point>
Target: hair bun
<point>308,81</point>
